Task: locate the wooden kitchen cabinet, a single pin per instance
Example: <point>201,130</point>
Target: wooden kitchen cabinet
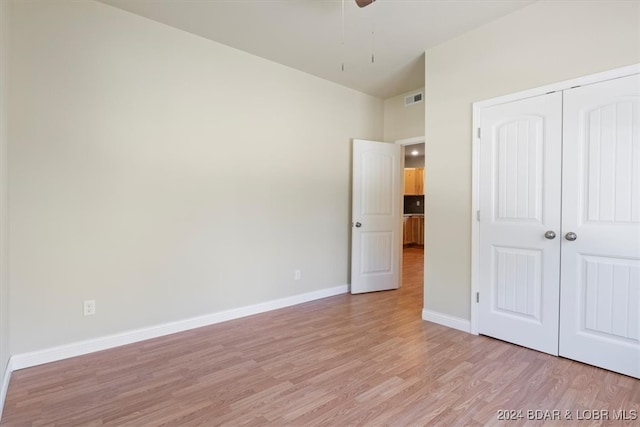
<point>419,181</point>
<point>406,240</point>
<point>413,181</point>
<point>409,181</point>
<point>413,233</point>
<point>418,230</point>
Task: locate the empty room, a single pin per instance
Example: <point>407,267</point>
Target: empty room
<point>319,212</point>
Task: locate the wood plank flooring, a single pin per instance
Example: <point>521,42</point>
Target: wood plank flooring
<point>341,361</point>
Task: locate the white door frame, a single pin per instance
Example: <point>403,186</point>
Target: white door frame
<point>411,141</point>
<point>475,172</point>
<point>404,143</point>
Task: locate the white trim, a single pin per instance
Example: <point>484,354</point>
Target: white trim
<point>564,85</point>
<point>475,224</point>
<point>445,320</point>
<point>26,360</point>
<point>405,142</point>
<point>5,384</point>
<point>411,141</point>
<point>475,164</point>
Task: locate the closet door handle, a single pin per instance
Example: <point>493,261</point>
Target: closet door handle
<point>571,236</point>
<point>550,234</point>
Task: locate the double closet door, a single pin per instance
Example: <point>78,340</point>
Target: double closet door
<point>559,231</point>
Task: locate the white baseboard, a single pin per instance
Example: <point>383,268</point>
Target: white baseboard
<point>458,323</point>
<point>26,360</point>
<point>5,385</point>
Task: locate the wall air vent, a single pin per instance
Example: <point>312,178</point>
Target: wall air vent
<point>413,99</point>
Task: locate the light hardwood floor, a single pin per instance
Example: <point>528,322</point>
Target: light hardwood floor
<point>345,360</point>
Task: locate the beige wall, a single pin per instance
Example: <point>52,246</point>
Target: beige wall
<point>4,210</point>
<point>124,185</point>
<point>414,162</point>
<point>546,42</point>
<point>402,122</point>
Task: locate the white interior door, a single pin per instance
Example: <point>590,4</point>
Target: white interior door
<point>376,229</point>
<point>600,297</point>
<point>520,150</point>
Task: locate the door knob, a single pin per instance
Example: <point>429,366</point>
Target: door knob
<point>358,225</point>
<point>550,235</point>
<point>571,236</point>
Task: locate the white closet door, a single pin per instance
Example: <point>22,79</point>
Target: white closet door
<point>519,202</point>
<point>600,296</point>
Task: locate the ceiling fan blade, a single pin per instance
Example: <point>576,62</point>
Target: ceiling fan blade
<point>363,3</point>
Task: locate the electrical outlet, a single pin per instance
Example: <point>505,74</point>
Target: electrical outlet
<point>90,307</point>
<point>297,275</point>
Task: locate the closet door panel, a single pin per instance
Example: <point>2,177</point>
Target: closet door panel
<point>519,202</point>
<point>600,271</point>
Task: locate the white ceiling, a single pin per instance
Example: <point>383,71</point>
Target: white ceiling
<point>307,34</point>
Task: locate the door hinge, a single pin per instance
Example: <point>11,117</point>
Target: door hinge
<point>479,133</point>
<point>477,215</point>
<point>477,297</point>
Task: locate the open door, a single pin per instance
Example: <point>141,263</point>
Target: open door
<point>376,228</point>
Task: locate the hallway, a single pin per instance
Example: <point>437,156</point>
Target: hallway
<point>413,268</point>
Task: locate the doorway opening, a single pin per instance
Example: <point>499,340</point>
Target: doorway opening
<point>413,216</point>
